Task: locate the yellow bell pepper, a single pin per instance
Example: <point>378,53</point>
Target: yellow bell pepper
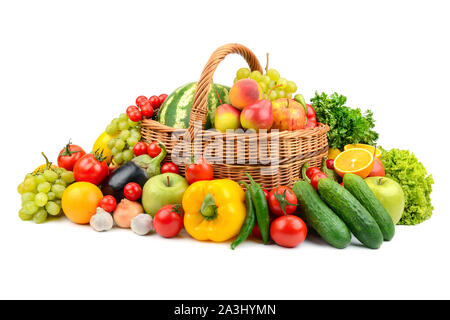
<point>214,210</point>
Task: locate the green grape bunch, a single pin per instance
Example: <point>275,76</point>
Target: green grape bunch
<point>126,134</point>
<point>271,83</point>
<point>41,192</point>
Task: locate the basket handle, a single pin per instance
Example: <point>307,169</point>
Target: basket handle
<point>200,104</point>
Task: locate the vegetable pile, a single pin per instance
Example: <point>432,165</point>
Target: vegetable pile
<point>128,183</point>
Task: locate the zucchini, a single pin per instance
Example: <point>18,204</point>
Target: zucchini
<point>355,216</point>
<point>321,218</point>
<point>361,191</point>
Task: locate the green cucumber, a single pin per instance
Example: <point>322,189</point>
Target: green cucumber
<point>361,191</point>
<point>321,218</point>
<point>355,216</point>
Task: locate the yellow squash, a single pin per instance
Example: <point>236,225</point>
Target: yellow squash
<point>214,210</point>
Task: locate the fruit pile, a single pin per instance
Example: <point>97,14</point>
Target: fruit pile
<point>128,183</point>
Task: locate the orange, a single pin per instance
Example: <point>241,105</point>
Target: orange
<point>364,146</point>
<point>355,160</point>
<point>333,153</point>
<point>79,201</point>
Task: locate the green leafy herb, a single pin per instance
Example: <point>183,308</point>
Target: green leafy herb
<point>403,167</point>
<point>347,125</point>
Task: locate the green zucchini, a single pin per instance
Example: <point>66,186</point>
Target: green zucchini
<point>361,191</point>
<point>321,218</point>
<point>355,216</point>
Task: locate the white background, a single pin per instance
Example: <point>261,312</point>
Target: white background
<point>68,68</point>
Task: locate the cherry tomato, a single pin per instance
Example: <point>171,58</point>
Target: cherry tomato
<point>330,164</point>
<point>311,171</point>
<point>134,113</point>
<point>153,149</point>
<point>162,98</point>
<point>91,168</point>
<point>108,203</point>
<point>141,100</point>
<point>288,231</point>
<point>132,191</point>
<point>168,221</point>
<point>282,201</point>
<point>69,156</point>
<point>199,170</point>
<point>316,177</point>
<point>154,102</point>
<point>170,167</point>
<point>140,148</point>
<point>147,109</point>
<point>342,184</point>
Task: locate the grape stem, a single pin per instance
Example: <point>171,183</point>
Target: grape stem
<point>274,87</point>
<point>267,62</point>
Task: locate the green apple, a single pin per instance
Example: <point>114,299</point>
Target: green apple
<point>166,188</point>
<point>390,194</point>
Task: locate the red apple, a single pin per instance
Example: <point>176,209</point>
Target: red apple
<point>257,116</point>
<point>288,114</point>
<point>227,117</point>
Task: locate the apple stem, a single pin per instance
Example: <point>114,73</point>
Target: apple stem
<point>379,181</point>
<point>218,97</point>
<point>168,181</point>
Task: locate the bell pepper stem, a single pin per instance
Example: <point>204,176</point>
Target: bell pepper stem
<point>209,207</point>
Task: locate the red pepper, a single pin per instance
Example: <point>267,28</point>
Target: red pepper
<point>311,117</point>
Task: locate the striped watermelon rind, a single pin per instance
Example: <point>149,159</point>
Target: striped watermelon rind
<point>176,109</point>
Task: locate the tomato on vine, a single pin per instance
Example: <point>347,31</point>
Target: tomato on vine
<point>282,201</point>
<point>69,156</point>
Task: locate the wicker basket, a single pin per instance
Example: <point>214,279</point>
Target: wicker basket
<point>294,147</point>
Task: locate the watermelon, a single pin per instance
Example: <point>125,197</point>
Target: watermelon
<point>176,109</point>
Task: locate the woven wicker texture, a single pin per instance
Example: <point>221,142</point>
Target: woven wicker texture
<point>294,147</point>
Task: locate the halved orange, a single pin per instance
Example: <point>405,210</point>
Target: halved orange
<point>364,146</point>
<point>355,160</point>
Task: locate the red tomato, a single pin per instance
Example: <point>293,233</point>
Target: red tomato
<point>200,170</point>
<point>330,164</point>
<point>168,221</point>
<point>342,184</point>
<point>316,177</point>
<point>91,168</point>
<point>140,148</point>
<point>288,231</point>
<point>134,113</point>
<point>147,110</point>
<point>170,167</point>
<point>108,203</point>
<point>141,100</point>
<point>162,98</point>
<point>311,117</point>
<point>282,201</point>
<point>312,171</point>
<point>153,149</point>
<point>266,193</point>
<point>132,191</point>
<point>154,102</point>
<point>69,156</point>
